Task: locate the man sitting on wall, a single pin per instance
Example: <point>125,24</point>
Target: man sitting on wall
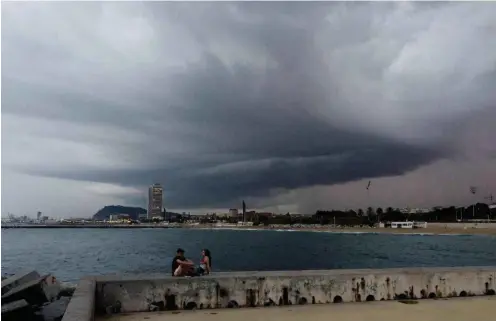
<point>182,266</point>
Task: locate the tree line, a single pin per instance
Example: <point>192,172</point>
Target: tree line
<point>371,216</point>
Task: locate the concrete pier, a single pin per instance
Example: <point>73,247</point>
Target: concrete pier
<point>113,295</point>
<point>250,289</point>
<point>456,309</point>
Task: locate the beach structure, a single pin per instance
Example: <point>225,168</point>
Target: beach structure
<point>406,224</point>
<point>417,224</point>
<point>401,224</point>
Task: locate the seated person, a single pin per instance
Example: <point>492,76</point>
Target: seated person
<point>205,263</point>
<point>182,266</point>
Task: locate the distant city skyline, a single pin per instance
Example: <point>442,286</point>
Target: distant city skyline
<point>290,106</point>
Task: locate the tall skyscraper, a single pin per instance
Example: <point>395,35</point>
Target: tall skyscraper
<point>155,194</point>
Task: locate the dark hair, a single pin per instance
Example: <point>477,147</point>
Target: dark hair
<point>207,254</point>
<point>180,250</point>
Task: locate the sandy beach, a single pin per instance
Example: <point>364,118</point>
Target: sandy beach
<point>433,230</point>
<point>428,230</point>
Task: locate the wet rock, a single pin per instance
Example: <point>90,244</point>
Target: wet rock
<point>54,311</point>
<point>18,279</point>
<point>66,291</point>
<point>17,310</point>
<point>35,292</point>
<point>27,296</point>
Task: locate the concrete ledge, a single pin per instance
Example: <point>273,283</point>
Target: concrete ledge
<point>216,275</point>
<point>123,294</point>
<point>82,304</point>
<point>456,309</point>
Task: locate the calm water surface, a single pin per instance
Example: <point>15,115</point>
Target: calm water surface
<point>72,253</point>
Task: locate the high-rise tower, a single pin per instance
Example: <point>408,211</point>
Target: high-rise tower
<point>155,194</point>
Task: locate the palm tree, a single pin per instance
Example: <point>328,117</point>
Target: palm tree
<point>379,213</point>
<point>370,211</point>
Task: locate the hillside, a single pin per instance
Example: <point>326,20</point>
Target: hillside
<point>104,213</point>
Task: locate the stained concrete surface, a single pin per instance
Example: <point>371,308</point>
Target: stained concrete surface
<point>126,294</point>
<point>456,309</point>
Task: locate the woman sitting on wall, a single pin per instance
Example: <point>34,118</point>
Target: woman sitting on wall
<point>205,263</point>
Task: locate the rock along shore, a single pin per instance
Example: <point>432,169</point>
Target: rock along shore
<point>29,296</point>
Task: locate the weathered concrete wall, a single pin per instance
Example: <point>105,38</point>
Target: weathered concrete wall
<point>119,294</point>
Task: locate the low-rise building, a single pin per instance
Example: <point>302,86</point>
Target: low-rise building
<point>245,223</point>
<point>401,224</point>
<point>233,212</point>
<point>406,224</point>
<point>119,217</point>
<point>419,224</point>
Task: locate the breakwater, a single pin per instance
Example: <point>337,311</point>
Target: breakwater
<point>105,295</point>
<point>29,296</point>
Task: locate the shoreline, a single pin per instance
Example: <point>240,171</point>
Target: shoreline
<point>363,230</point>
<point>429,230</point>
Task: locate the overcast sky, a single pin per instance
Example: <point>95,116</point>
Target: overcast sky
<point>290,106</point>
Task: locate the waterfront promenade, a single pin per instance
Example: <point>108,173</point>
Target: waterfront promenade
<point>432,228</point>
<point>455,309</point>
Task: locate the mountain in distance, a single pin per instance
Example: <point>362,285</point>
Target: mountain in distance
<point>104,213</point>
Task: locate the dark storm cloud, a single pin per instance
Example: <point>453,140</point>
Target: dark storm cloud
<point>238,100</point>
<point>189,186</point>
